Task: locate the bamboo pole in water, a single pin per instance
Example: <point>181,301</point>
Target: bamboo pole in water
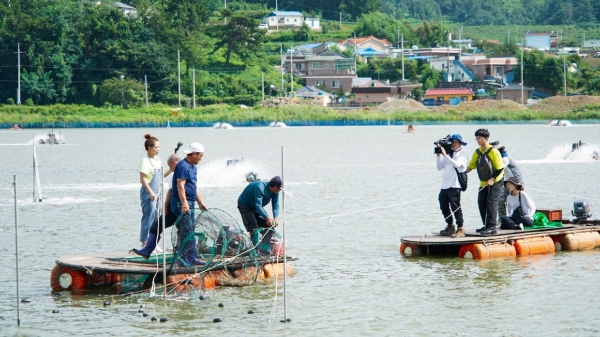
<point>17,252</point>
<point>284,244</point>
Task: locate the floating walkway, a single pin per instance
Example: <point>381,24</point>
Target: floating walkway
<point>122,271</point>
<point>507,243</point>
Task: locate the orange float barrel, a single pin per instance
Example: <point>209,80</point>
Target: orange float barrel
<point>479,251</point>
<point>63,278</point>
<point>534,245</point>
<point>580,241</point>
<point>409,249</point>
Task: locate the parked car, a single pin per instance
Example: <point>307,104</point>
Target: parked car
<point>263,26</point>
<point>429,102</point>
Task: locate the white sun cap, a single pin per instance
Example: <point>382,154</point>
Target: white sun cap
<point>194,147</point>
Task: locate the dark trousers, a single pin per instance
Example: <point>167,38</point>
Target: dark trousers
<point>156,227</point>
<point>449,198</point>
<point>488,203</point>
<point>514,220</point>
<point>253,221</point>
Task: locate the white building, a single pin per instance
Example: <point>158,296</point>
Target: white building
<point>126,9</point>
<point>283,19</point>
<point>313,23</point>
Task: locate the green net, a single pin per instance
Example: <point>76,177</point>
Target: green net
<point>541,221</point>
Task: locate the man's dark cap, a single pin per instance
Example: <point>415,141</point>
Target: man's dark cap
<point>275,182</point>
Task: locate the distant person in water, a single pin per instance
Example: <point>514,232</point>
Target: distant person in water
<point>15,127</point>
<point>151,174</point>
<point>519,205</point>
<point>255,196</point>
<point>410,128</point>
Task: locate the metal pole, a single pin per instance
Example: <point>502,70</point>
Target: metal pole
<point>17,252</point>
<point>179,78</point>
<point>146,87</point>
<point>276,16</point>
<point>292,69</point>
<point>263,86</point>
<point>194,87</point>
<point>282,70</point>
<point>565,74</point>
<point>354,52</point>
<point>284,242</point>
<point>164,248</point>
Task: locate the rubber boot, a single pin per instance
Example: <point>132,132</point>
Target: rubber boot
<point>148,249</point>
<point>189,254</point>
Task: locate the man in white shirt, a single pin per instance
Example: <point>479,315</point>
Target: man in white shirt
<point>449,196</point>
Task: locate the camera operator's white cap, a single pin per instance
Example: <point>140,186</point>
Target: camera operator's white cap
<point>194,147</point>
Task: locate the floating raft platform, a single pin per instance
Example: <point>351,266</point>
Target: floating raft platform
<point>507,243</point>
<point>124,271</point>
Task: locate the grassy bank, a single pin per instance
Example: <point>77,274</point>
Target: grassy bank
<point>73,114</point>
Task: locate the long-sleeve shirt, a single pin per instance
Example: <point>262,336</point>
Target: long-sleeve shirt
<point>459,161</point>
<point>527,205</point>
<point>258,195</point>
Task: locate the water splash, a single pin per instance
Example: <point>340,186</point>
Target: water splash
<point>566,154</point>
<point>216,173</point>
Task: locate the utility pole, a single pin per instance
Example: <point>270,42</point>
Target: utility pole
<point>508,36</point>
<point>276,16</point>
<point>292,69</point>
<point>448,58</point>
<point>565,74</point>
<point>282,70</point>
<point>179,78</point>
<point>19,74</point>
<point>583,45</point>
<point>194,88</point>
<point>340,20</point>
<point>263,85</point>
<point>403,78</point>
<point>522,81</point>
<point>225,8</point>
<point>146,88</point>
<point>354,51</point>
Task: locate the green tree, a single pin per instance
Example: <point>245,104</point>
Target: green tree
<point>124,92</point>
<point>240,36</point>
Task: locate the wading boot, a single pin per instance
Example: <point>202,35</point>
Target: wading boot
<point>189,255</point>
<point>489,230</point>
<point>148,248</point>
<point>459,233</point>
<point>448,231</point>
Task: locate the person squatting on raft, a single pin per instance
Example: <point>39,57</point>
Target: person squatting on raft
<point>490,169</point>
<point>151,174</point>
<point>182,203</point>
<point>519,205</point>
<point>156,227</point>
<point>449,196</point>
<point>255,196</point>
<point>511,170</point>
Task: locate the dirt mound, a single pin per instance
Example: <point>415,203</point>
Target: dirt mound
<point>401,105</point>
<point>558,104</point>
<point>483,105</point>
<point>277,101</point>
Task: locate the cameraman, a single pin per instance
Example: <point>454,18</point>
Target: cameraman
<point>450,192</point>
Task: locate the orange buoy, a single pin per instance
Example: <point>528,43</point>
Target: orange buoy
<point>580,241</point>
<point>63,278</point>
<point>409,249</point>
<point>276,270</point>
<point>534,245</point>
<point>479,251</point>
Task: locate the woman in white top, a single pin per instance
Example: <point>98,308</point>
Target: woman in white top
<point>151,174</point>
<point>519,205</point>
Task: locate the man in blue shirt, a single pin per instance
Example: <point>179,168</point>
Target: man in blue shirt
<point>182,202</point>
<point>251,202</point>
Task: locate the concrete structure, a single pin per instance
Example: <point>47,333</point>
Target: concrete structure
<point>494,66</point>
<point>513,92</point>
<point>126,9</point>
<point>376,91</point>
<point>444,95</point>
<point>284,20</point>
<point>313,23</point>
<point>379,45</point>
<point>319,66</point>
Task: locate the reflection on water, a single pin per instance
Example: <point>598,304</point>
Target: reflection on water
<point>376,183</point>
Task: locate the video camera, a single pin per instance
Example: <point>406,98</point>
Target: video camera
<point>446,143</point>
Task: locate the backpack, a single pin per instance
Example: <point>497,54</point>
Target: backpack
<point>485,169</point>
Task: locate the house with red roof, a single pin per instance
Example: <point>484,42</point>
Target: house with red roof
<point>444,95</point>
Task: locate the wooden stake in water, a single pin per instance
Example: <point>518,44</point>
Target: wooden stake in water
<point>284,244</point>
<point>37,185</point>
<point>164,248</point>
<point>17,252</point>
